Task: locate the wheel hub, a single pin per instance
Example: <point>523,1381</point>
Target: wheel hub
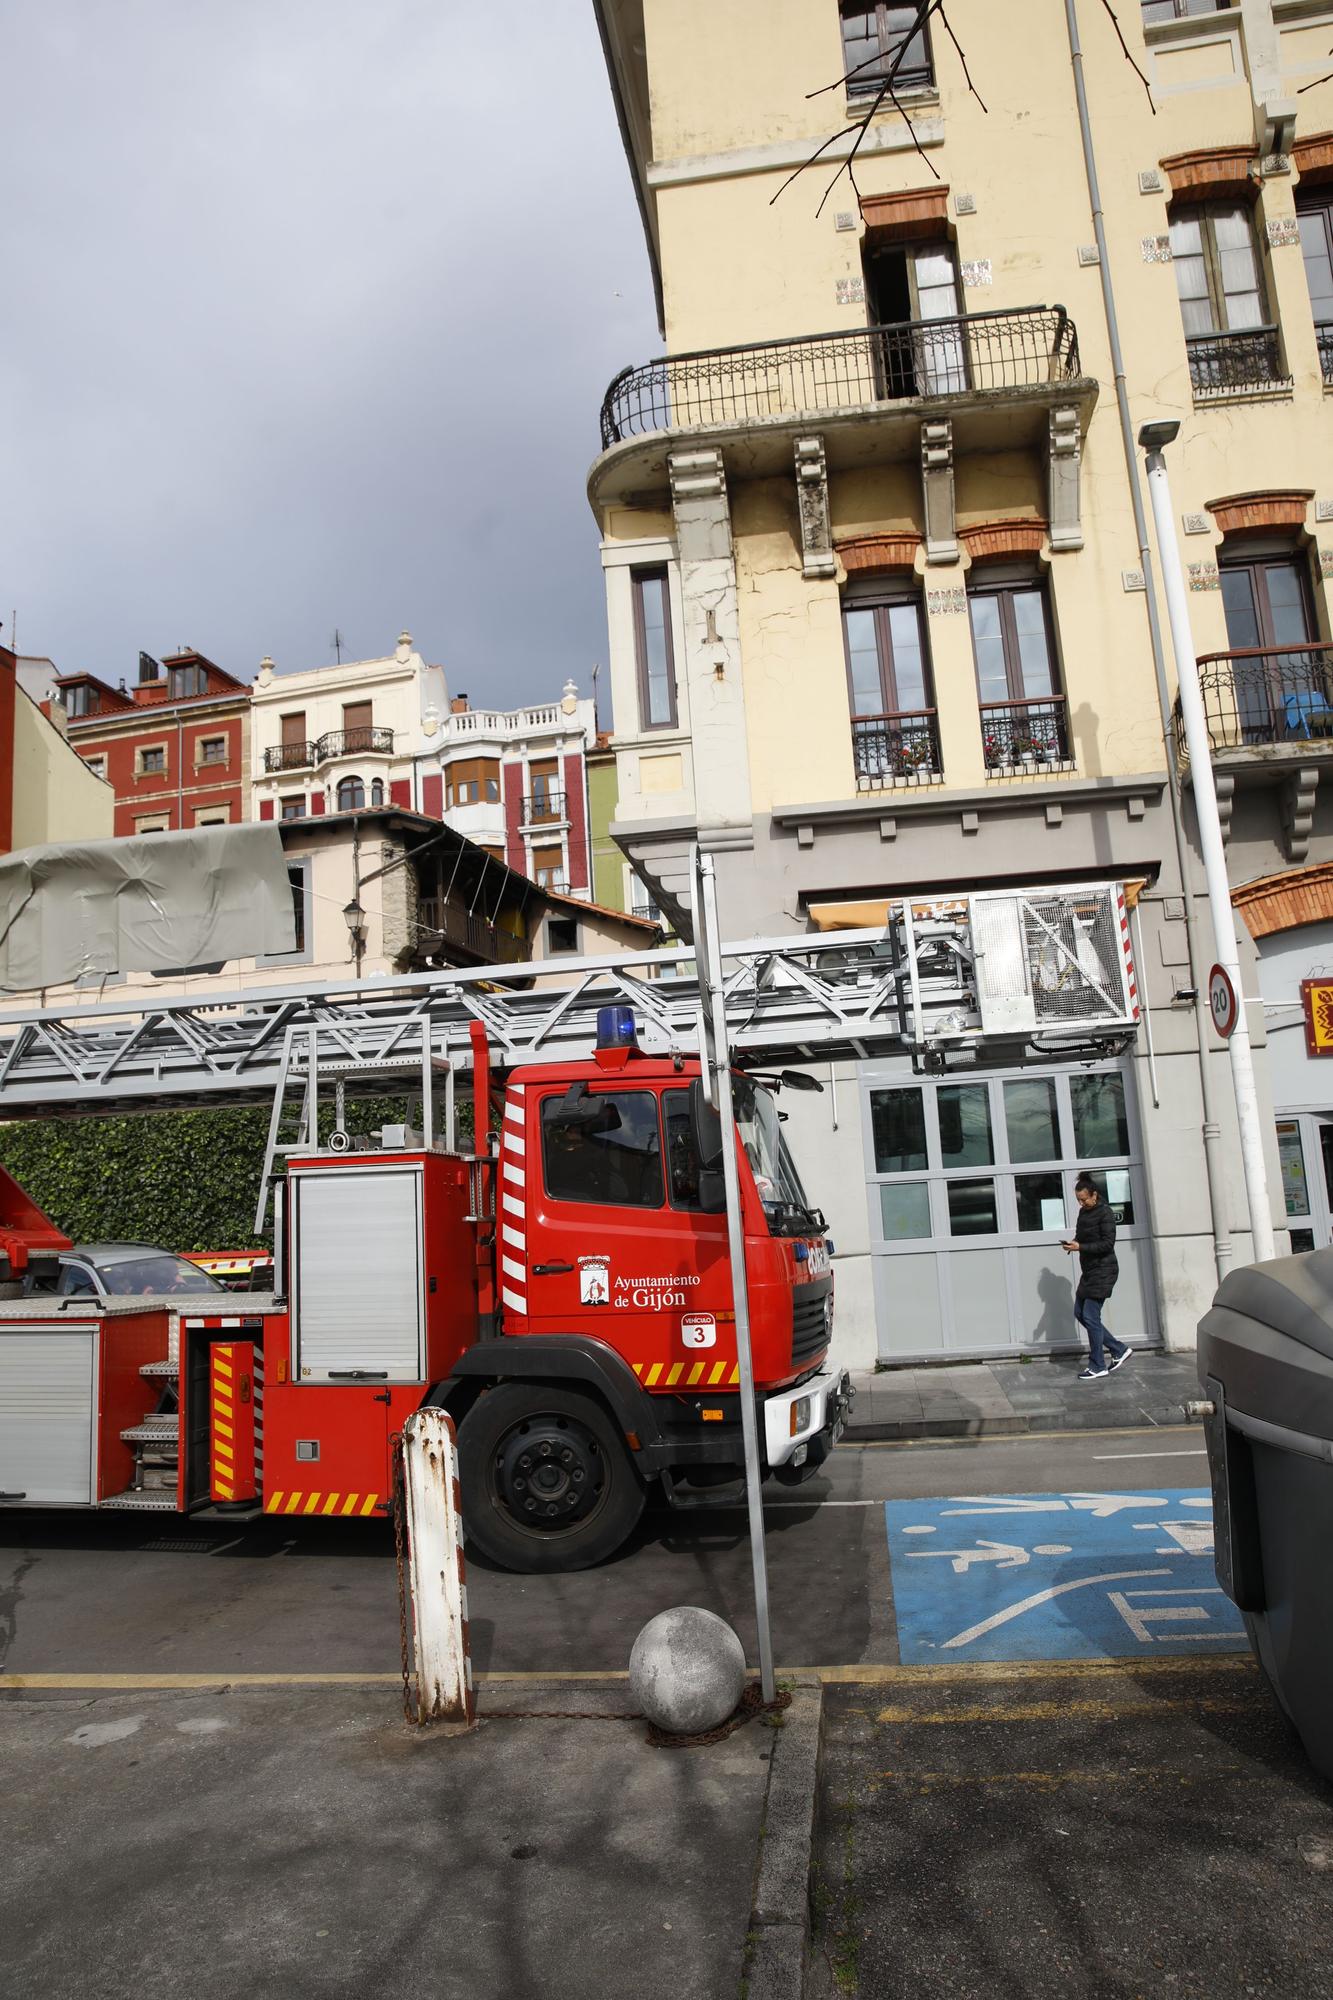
<point>549,1472</point>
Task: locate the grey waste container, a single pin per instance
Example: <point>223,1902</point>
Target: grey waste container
<point>1266,1365</point>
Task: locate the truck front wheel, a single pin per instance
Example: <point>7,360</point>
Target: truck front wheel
<point>547,1482</point>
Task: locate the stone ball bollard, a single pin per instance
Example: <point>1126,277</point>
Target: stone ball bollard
<point>687,1670</point>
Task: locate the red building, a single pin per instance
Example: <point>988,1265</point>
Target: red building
<point>175,748</point>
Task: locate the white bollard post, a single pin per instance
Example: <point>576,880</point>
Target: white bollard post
<point>435,1568</point>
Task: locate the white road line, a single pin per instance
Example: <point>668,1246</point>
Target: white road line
<point>1105,1457</point>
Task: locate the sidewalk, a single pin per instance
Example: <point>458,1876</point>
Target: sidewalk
<point>999,1398</point>
<point>1056,1832</point>
<point>306,1844</point>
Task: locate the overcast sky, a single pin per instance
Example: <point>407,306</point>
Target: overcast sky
<point>309,310</point>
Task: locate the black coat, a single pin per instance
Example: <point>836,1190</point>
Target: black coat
<point>1094,1233</point>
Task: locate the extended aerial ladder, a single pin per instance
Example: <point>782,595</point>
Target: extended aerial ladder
<point>1041,972</point>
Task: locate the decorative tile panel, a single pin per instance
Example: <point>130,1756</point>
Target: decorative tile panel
<point>1196,524</point>
<point>1283,230</point>
<point>940,602</point>
<point>1155,249</point>
<point>964,204</point>
<point>1132,579</point>
<point>851,291</point>
<point>976,273</point>
<point>1203,576</point>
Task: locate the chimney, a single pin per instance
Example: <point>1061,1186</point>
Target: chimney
<point>458,706</point>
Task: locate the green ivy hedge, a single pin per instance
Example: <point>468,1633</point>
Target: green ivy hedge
<point>184,1180</point>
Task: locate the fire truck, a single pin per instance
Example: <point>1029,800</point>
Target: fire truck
<point>554,1272</point>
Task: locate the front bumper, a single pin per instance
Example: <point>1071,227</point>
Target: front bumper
<point>818,1428</point>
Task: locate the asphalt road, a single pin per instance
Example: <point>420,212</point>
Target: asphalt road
<point>116,1594</point>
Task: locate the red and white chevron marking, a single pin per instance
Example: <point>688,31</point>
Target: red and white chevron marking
<point>513,1204</point>
<point>1127,946</point>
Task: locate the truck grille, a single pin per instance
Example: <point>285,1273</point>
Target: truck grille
<point>809,1334</point>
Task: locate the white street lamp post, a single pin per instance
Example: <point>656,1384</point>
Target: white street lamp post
<point>1153,437</point>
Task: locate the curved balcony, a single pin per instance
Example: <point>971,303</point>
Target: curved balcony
<point>541,808</point>
<point>290,756</point>
<point>354,743</point>
<point>976,353</point>
<point>1265,699</point>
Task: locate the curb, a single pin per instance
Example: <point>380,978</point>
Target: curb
<point>778,1950</point>
<point>1169,1416</point>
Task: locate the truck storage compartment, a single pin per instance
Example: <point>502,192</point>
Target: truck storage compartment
<point>48,1437</point>
<point>356,1273</point>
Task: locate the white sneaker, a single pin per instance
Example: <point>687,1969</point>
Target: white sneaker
<point>1119,1360</point>
<point>1091,1374</point>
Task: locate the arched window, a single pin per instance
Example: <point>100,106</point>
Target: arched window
<point>377,792</point>
<point>351,795</point>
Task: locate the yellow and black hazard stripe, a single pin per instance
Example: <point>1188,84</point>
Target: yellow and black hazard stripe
<point>688,1374</point>
<point>343,1504</point>
<point>222,1422</point>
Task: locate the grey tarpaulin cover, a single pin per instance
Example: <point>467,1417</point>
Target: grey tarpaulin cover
<point>159,902</point>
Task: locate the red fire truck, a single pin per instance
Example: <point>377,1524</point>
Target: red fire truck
<point>561,1283</point>
<point>564,1292</point>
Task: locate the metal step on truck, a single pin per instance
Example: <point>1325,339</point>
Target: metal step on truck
<point>557,1276</point>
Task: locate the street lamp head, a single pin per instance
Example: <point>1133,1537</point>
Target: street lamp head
<point>1156,437</point>
<point>355,918</point>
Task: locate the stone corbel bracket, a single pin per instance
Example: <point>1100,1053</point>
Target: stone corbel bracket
<point>1224,784</point>
<point>817,558</point>
<point>1064,456</point>
<point>1300,791</point>
<point>937,487</point>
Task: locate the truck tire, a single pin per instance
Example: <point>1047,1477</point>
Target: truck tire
<point>547,1482</point>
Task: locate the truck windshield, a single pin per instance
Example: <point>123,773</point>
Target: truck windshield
<point>774,1170</point>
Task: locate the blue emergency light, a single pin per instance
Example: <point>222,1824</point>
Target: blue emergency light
<point>616,1029</point>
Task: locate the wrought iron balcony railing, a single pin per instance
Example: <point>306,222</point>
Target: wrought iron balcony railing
<point>290,756</point>
<point>1265,695</point>
<point>1324,336</point>
<point>1025,735</point>
<point>901,749</point>
<point>975,353</point>
<point>1227,364</point>
<point>354,743</point>
<point>541,806</point>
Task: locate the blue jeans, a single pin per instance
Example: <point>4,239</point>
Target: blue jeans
<point>1088,1313</point>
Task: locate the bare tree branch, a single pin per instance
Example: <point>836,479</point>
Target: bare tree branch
<point>1128,57</point>
<point>967,74</point>
<point>860,126</point>
<point>1318,80</point>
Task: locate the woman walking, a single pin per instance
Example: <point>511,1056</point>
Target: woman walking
<point>1094,1240</point>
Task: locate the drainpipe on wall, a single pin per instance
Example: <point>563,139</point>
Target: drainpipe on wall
<point>1212,1131</point>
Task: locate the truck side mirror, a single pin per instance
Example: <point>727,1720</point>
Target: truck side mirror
<point>712,1191</point>
<point>705,1132</point>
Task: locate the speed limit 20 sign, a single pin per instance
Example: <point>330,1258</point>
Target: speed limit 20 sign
<point>1222,1001</point>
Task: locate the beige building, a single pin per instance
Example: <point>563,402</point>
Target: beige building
<point>367,733</point>
<point>876,584</point>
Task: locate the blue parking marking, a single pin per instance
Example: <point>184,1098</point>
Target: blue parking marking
<point>1058,1576</point>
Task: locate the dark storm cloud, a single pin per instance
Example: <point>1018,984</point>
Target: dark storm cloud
<point>310,308</point>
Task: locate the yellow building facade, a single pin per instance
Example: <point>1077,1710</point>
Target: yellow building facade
<point>878,600</point>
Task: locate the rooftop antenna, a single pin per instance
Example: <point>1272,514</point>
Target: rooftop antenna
<point>337,644</point>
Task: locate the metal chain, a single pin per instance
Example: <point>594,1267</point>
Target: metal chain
<point>411,1706</point>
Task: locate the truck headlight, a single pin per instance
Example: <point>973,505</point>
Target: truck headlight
<point>800,1415</point>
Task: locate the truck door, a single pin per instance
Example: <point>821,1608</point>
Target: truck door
<point>615,1248</point>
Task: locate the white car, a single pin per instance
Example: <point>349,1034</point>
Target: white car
<point>124,1270</point>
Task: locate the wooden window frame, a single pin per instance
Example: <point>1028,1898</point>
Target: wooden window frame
<point>293,808</point>
<point>658,574</point>
<point>345,784</point>
<point>473,771</point>
<point>141,769</point>
<point>202,757</point>
<point>89,704</point>
<point>1203,212</point>
<point>868,82</point>
<point>176,678</point>
<point>881,601</point>
<point>1007,589</point>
